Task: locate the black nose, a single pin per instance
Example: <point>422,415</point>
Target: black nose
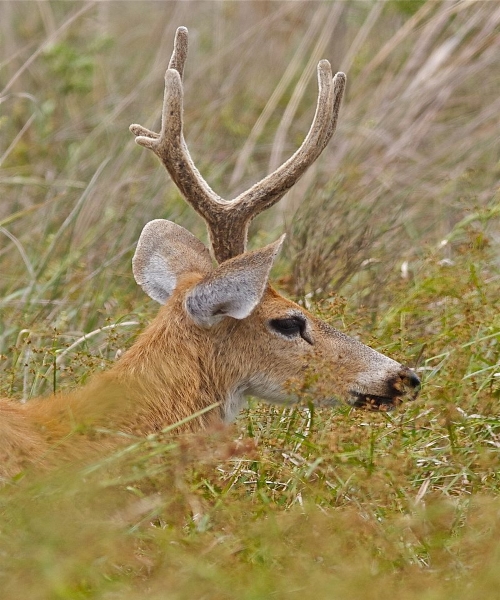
<point>413,380</point>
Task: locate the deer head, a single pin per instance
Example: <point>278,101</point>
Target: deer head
<point>247,338</point>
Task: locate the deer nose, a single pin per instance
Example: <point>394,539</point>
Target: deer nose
<point>410,381</point>
<point>406,383</point>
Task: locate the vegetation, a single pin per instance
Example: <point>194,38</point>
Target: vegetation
<point>393,237</point>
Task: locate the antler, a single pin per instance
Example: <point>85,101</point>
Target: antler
<point>228,221</point>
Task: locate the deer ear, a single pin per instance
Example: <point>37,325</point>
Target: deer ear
<point>164,252</point>
<point>234,289</point>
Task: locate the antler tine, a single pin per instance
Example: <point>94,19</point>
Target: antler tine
<point>272,188</point>
<point>339,82</point>
<point>169,145</point>
<point>180,51</point>
<point>177,61</point>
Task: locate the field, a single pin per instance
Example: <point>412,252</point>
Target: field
<point>392,236</point>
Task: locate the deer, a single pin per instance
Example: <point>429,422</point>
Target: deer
<point>222,332</point>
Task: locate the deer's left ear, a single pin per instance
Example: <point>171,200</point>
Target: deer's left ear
<point>234,289</point>
<point>164,252</point>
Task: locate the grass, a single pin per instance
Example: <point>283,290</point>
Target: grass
<point>290,501</point>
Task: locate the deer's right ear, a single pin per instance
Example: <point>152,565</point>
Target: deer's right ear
<point>164,252</point>
<point>233,289</point>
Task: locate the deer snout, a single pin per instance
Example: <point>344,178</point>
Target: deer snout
<point>412,381</point>
<point>402,386</point>
<point>406,383</point>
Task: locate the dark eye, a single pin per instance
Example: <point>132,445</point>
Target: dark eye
<point>291,327</point>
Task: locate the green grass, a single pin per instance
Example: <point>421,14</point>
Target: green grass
<point>400,216</point>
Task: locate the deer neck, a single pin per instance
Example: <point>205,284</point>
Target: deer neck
<point>172,372</point>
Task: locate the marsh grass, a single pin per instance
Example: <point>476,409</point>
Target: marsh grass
<point>400,215</point>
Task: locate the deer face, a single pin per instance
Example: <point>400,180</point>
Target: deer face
<point>281,353</point>
<point>253,340</point>
<point>306,357</point>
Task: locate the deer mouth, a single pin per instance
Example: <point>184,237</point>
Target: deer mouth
<point>375,403</point>
<point>405,386</point>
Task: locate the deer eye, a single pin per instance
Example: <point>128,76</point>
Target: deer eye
<point>291,327</point>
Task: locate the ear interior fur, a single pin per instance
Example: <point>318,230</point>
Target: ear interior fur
<point>234,289</point>
<point>164,252</point>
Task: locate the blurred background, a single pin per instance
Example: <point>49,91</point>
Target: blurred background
<point>393,236</point>
<point>416,152</point>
